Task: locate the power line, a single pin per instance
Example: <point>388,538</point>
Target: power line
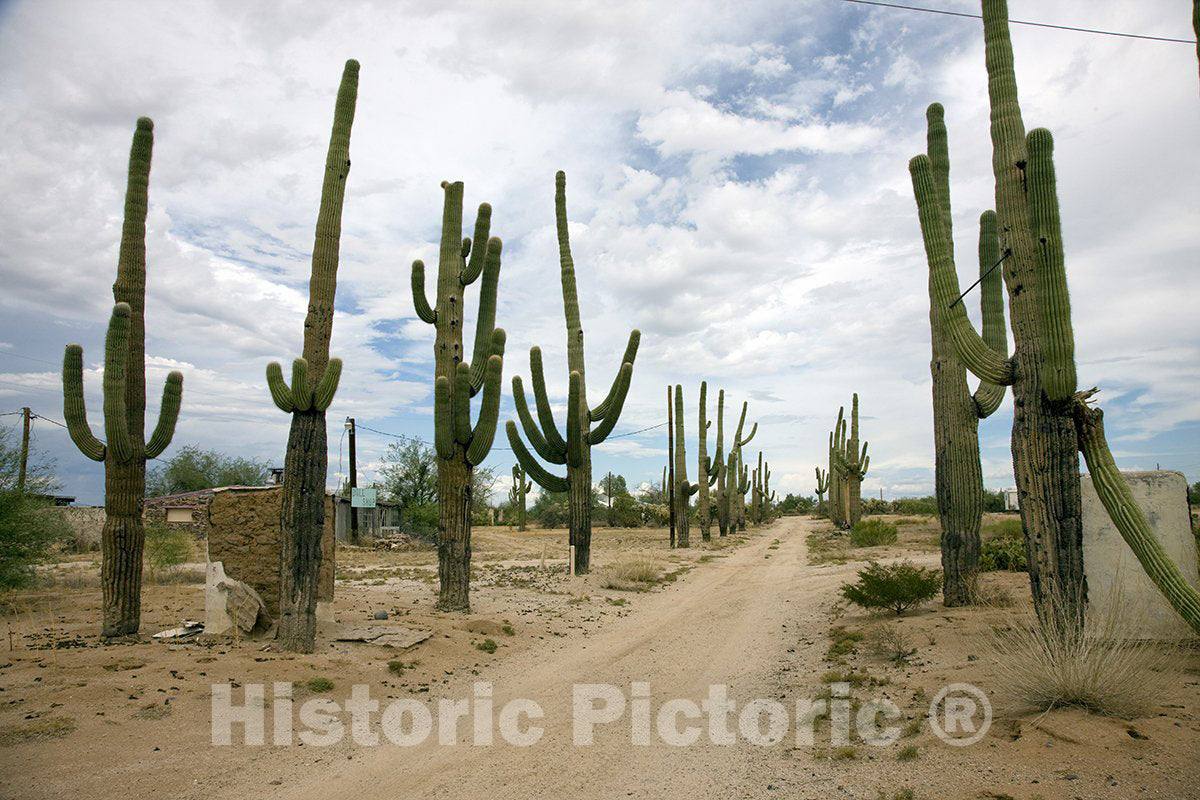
<point>1024,22</point>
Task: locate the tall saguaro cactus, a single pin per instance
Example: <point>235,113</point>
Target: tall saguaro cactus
<point>735,480</point>
<point>575,449</point>
<point>956,412</point>
<point>707,467</point>
<point>460,446</point>
<point>520,488</point>
<point>314,381</point>
<point>125,450</point>
<point>683,489</point>
<point>1051,422</point>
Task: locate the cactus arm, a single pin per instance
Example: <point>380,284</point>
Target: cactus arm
<point>116,359</point>
<point>460,418</point>
<point>280,392</point>
<point>601,431</point>
<point>424,311</point>
<point>601,411</point>
<point>327,388</point>
<point>489,411</point>
<point>74,410</point>
<point>168,415</point>
<point>690,488</point>
<point>547,480</point>
<point>1130,521</point>
<point>302,396</point>
<point>575,437</point>
<point>545,415</point>
<point>531,428</point>
<point>1058,346</point>
<point>991,305</point>
<point>478,255</point>
<point>972,349</point>
<point>443,430</point>
<point>487,340</point>
<point>753,430</point>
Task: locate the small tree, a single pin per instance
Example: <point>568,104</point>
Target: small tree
<point>193,469</point>
<point>893,586</point>
<point>29,528</point>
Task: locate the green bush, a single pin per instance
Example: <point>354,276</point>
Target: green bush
<point>166,548</point>
<point>893,586</point>
<point>1003,547</point>
<point>30,529</point>
<point>915,505</point>
<point>871,532</point>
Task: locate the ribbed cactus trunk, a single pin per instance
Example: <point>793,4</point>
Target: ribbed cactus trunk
<point>683,489</point>
<point>855,475</point>
<point>521,488</point>
<point>720,466</point>
<point>302,510</point>
<point>956,413</point>
<point>125,453</point>
<point>706,469</point>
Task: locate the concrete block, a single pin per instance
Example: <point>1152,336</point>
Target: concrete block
<point>1114,575</point>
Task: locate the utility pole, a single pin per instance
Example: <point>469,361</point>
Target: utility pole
<point>353,483</point>
<point>671,461</point>
<point>24,449</point>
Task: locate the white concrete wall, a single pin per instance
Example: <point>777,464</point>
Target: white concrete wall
<point>1117,583</point>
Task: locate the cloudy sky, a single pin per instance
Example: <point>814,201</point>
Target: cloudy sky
<point>737,186</point>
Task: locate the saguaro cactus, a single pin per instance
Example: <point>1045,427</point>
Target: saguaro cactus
<point>460,446</point>
<point>314,381</point>
<point>707,468</point>
<point>852,463</point>
<point>956,412</point>
<point>822,486</point>
<point>575,449</point>
<point>520,488</point>
<point>837,513</point>
<point>125,452</point>
<point>1051,423</point>
<point>683,489</point>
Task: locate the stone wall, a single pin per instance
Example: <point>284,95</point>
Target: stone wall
<point>1117,583</point>
<point>88,524</point>
<point>243,534</point>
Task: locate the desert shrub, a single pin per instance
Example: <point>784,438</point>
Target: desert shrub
<point>166,548</point>
<point>487,645</point>
<point>915,505</point>
<point>626,512</point>
<point>30,529</point>
<point>891,643</point>
<point>871,532</point>
<point>874,505</point>
<point>1003,547</point>
<point>636,572</point>
<point>893,586</point>
<point>656,515</point>
<point>1053,662</point>
<point>420,520</point>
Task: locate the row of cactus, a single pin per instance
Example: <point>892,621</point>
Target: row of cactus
<point>1052,422</point>
<point>574,450</point>
<point>848,465</point>
<point>125,449</point>
<point>722,480</point>
<point>761,495</point>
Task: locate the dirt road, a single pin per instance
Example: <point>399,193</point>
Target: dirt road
<point>725,624</point>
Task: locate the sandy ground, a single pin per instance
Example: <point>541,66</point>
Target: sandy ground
<point>751,613</point>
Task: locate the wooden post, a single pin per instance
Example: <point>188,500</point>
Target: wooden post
<point>671,463</point>
<point>353,482</point>
<point>571,561</point>
<point>24,449</point>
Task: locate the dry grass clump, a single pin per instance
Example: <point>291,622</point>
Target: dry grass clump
<point>1052,663</point>
<point>43,728</point>
<point>632,574</point>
